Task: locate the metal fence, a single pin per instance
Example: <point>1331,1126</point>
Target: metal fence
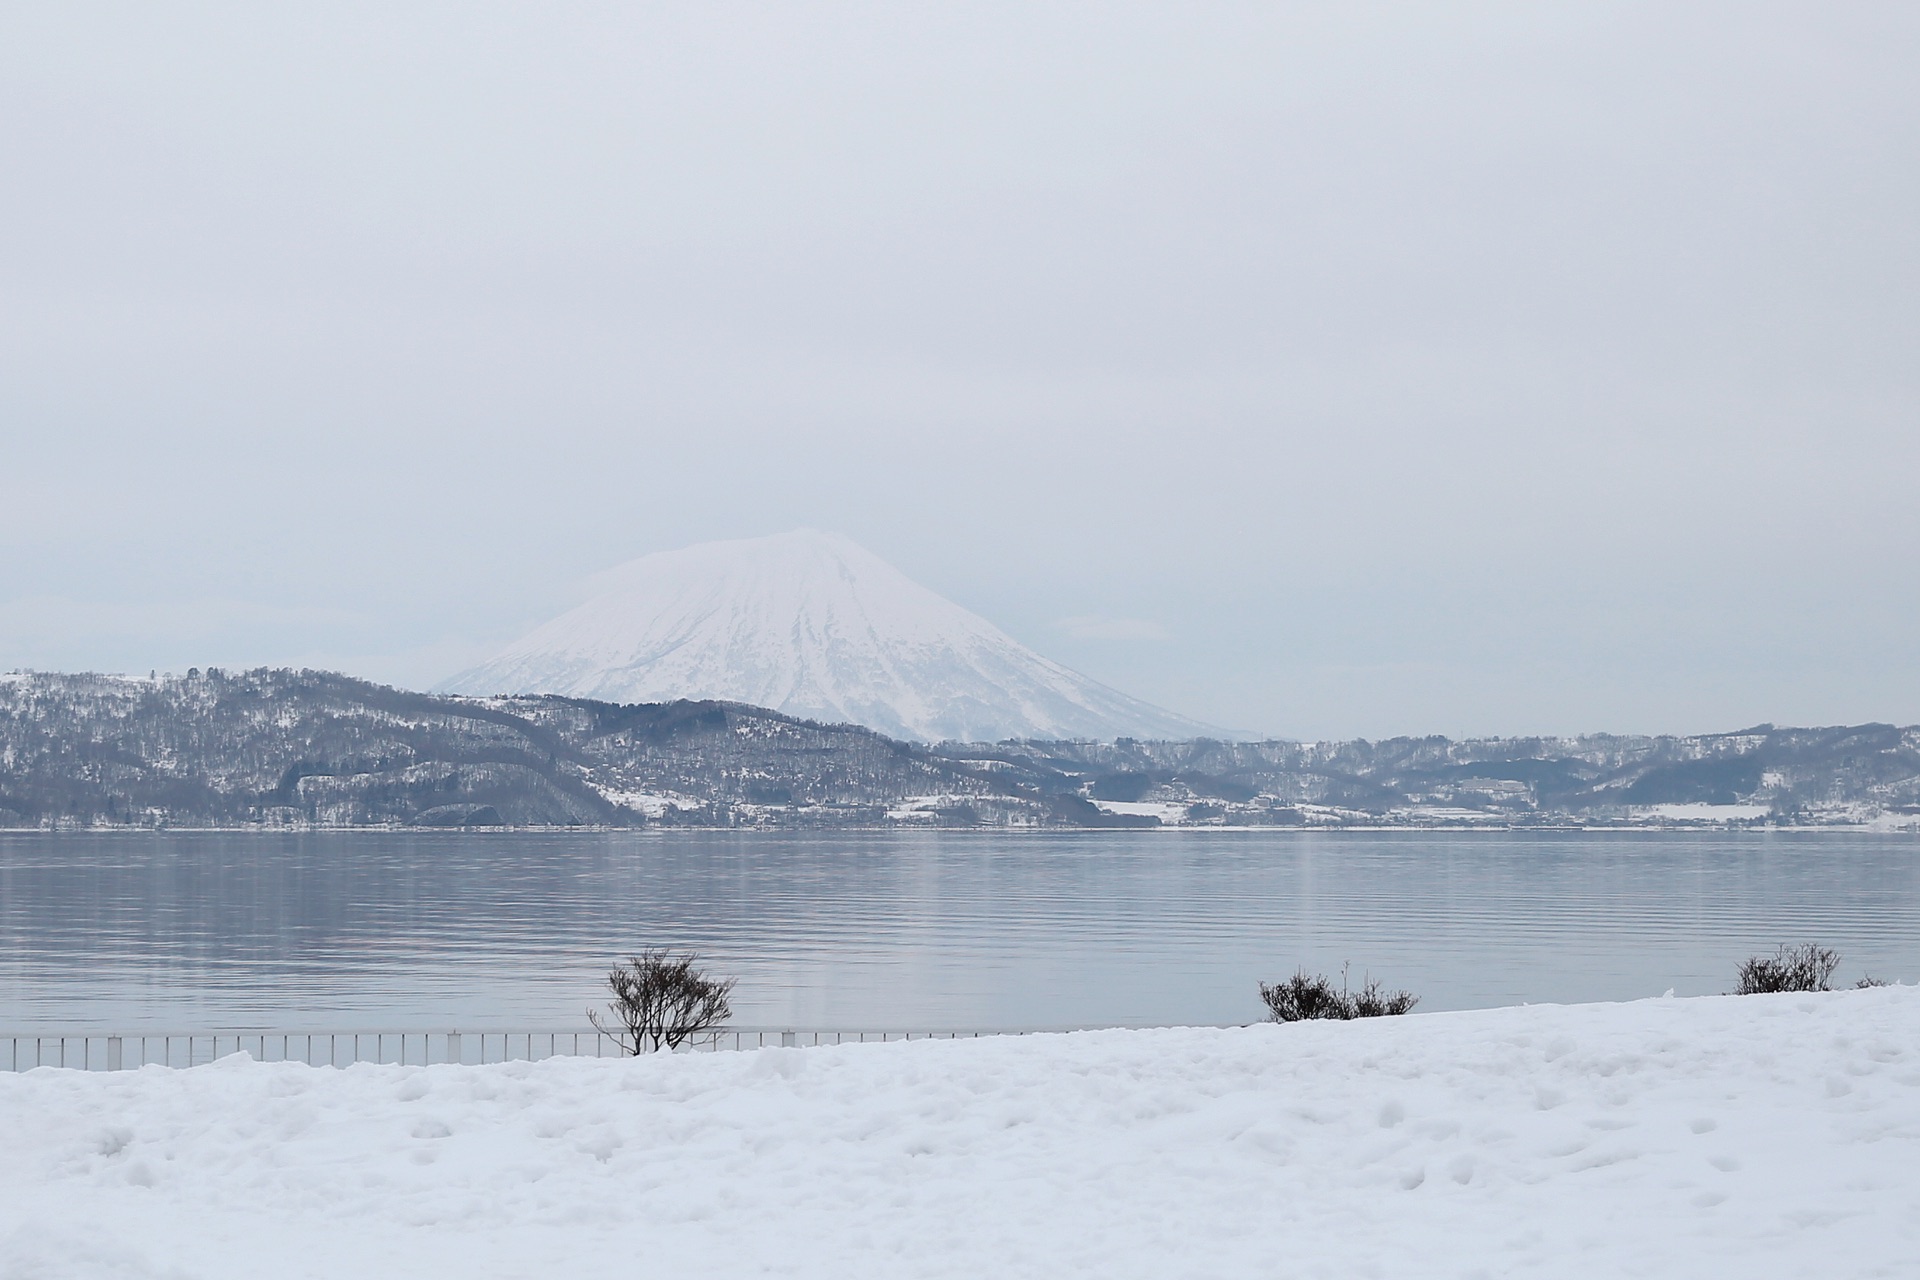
<point>99,1051</point>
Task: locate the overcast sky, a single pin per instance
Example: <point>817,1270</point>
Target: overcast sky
<point>1322,370</point>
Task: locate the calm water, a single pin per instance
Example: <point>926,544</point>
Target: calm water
<point>962,930</point>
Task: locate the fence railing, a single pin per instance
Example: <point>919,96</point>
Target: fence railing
<point>99,1051</point>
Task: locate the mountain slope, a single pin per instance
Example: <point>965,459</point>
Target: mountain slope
<point>310,749</point>
<point>813,625</point>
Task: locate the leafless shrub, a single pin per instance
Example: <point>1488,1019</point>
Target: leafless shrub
<point>1373,1001</point>
<point>1869,981</point>
<point>1805,968</point>
<point>1307,996</point>
<point>1302,997</point>
<point>660,999</point>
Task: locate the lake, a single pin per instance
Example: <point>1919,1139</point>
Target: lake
<point>914,931</point>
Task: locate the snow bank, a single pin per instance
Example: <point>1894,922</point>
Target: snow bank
<point>1759,1136</point>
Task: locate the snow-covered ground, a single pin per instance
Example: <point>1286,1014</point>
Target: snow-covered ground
<point>1715,813</point>
<point>1761,1136</point>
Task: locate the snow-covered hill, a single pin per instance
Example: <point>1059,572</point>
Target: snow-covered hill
<point>814,625</point>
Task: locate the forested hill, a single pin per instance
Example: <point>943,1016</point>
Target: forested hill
<point>1867,775</point>
<point>302,748</point>
<point>310,748</point>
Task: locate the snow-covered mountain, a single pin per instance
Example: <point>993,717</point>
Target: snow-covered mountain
<point>814,625</point>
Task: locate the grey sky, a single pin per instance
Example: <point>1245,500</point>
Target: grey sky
<point>1323,370</point>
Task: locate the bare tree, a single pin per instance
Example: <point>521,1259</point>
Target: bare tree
<point>660,999</point>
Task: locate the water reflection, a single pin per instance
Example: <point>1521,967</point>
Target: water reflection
<point>924,930</point>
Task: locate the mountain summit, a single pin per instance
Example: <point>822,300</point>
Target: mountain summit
<point>814,625</point>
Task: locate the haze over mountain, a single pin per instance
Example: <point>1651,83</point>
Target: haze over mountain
<point>811,624</point>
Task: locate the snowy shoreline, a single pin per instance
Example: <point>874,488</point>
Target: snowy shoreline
<point>1760,1136</point>
<point>1901,825</point>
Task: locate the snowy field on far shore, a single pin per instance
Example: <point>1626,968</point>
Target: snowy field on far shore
<point>1754,1136</point>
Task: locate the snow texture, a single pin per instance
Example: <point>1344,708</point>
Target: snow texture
<point>813,625</point>
<point>1761,1136</point>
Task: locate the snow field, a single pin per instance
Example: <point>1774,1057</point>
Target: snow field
<point>1755,1136</point>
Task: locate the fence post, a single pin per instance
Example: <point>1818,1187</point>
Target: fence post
<point>113,1053</point>
<point>453,1047</point>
